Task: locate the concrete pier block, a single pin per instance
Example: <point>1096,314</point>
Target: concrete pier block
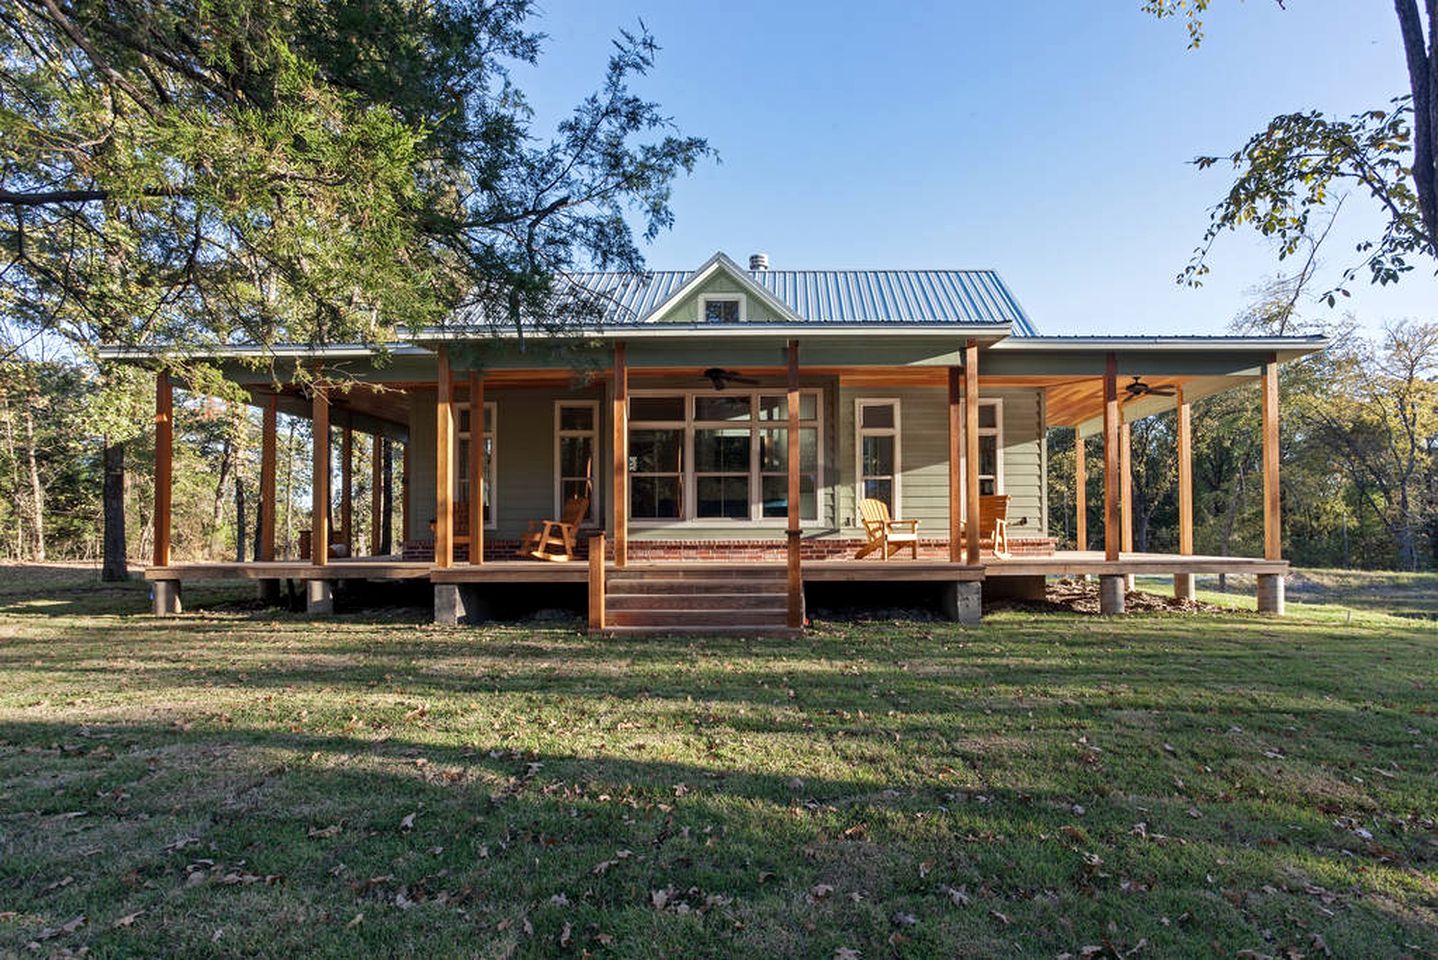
<point>1111,593</point>
<point>319,597</point>
<point>963,601</point>
<point>1183,586</point>
<point>1270,593</point>
<point>166,594</point>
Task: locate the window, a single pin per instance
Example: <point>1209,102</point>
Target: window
<point>576,433</point>
<point>725,308</point>
<point>461,492</point>
<point>991,443</point>
<point>876,450</point>
<point>720,456</point>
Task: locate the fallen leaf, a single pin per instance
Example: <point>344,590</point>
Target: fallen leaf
<point>820,890</point>
<point>847,953</point>
<point>128,920</point>
<point>1001,918</point>
<point>358,919</point>
<point>64,881</point>
<point>321,832</point>
<point>926,868</point>
<point>958,895</point>
<point>566,935</point>
<point>408,822</point>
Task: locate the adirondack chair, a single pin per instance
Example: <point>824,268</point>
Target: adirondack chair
<point>994,524</point>
<point>555,539</point>
<point>886,535</point>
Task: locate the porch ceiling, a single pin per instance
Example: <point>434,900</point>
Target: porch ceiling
<point>371,408</point>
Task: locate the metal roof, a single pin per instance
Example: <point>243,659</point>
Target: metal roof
<point>832,296</point>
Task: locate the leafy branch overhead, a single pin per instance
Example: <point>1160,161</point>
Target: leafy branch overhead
<point>1305,160</point>
<point>246,171</point>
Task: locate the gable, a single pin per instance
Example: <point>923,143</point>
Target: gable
<point>688,309</point>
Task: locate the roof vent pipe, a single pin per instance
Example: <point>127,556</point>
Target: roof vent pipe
<point>758,261</point>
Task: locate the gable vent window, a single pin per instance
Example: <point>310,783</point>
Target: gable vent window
<point>722,309</point>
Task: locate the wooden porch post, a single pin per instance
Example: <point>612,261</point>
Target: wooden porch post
<point>347,512</point>
<point>1183,582</point>
<point>1080,493</point>
<point>796,578</point>
<point>164,464</point>
<point>444,464</point>
<point>376,492</point>
<point>1111,520</point>
<point>1272,528</point>
<point>268,430</point>
<point>956,460</point>
<point>476,467</point>
<point>971,450</point>
<point>320,479</point>
<point>404,475</point>
<point>621,457</point>
<point>1125,483</point>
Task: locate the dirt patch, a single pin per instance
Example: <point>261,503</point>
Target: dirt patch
<point>1075,595</point>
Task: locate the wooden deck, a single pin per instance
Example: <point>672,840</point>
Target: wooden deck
<point>1074,563</point>
<point>359,568</point>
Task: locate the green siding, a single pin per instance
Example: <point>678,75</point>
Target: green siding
<point>687,309</point>
<point>924,457</point>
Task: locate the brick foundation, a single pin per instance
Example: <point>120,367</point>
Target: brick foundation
<point>930,548</point>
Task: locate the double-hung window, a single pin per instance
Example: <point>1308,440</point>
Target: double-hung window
<point>576,434</point>
<point>877,451</point>
<point>720,457</point>
<point>991,444</point>
<point>462,484</point>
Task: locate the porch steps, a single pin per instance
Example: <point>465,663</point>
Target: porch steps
<point>696,598</point>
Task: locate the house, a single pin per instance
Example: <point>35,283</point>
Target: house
<point>725,425</point>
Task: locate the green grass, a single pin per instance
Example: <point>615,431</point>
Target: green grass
<point>248,783</point>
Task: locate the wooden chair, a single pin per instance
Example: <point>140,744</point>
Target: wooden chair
<point>994,524</point>
<point>555,539</point>
<point>886,534</point>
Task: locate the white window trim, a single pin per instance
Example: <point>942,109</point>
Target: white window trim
<point>704,299</point>
<point>688,476</point>
<point>997,432</point>
<point>896,431</point>
<point>491,482</point>
<point>592,518</point>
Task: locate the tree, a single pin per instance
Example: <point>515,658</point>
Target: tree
<point>199,173</point>
<point>1303,161</point>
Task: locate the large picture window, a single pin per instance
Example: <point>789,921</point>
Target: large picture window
<point>461,479</point>
<point>720,457</point>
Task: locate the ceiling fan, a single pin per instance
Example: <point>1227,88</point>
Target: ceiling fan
<point>721,378</point>
<point>1138,389</point>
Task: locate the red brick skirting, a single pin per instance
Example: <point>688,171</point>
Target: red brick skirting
<point>930,548</point>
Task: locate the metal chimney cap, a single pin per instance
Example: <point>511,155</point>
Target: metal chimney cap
<point>758,261</point>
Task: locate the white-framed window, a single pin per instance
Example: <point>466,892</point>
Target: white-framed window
<point>722,308</point>
<point>576,446</point>
<point>461,473</point>
<point>877,451</point>
<point>991,446</point>
<point>712,457</point>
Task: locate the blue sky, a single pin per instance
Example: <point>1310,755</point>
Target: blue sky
<point>1048,140</point>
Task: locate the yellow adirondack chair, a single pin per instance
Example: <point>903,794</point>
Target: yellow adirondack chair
<point>885,534</point>
<point>555,539</point>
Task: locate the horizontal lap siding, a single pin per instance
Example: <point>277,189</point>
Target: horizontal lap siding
<point>924,457</point>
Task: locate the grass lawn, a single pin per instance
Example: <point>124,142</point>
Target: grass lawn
<point>250,783</point>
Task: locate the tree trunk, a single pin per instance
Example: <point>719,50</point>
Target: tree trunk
<point>115,567</point>
<point>239,518</point>
<point>386,494</point>
<point>37,491</point>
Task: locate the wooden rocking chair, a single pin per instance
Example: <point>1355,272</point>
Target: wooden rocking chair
<point>555,539</point>
<point>886,534</point>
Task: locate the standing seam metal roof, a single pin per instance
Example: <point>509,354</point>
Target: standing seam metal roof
<point>834,296</point>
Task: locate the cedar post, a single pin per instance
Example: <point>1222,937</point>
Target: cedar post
<point>1183,582</point>
<point>404,465</point>
<point>476,467</point>
<point>347,512</point>
<point>164,464</point>
<point>596,582</point>
<point>1125,484</point>
<point>1111,519</point>
<point>971,449</point>
<point>956,460</point>
<point>268,430</point>
<point>1080,493</point>
<point>444,465</point>
<point>621,457</point>
<point>795,574</point>
<point>320,481</point>
<point>376,493</point>
<point>1272,529</point>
